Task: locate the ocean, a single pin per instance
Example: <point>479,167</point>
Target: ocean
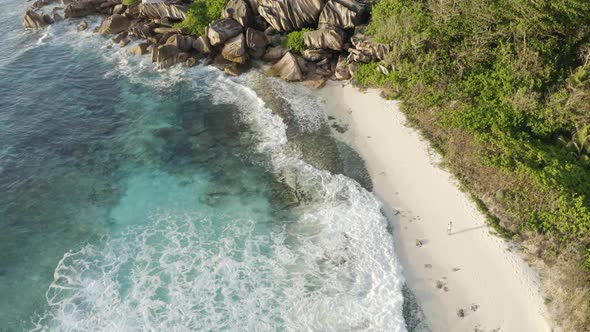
<point>137,199</point>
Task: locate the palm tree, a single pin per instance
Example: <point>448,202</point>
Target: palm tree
<point>579,143</point>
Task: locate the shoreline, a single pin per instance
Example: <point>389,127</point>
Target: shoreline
<point>469,269</point>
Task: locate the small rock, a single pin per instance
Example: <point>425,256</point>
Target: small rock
<point>124,42</point>
<point>287,68</point>
<point>190,62</point>
<point>120,36</point>
<point>383,70</point>
<point>461,313</point>
<point>439,284</point>
<point>57,17</point>
<point>139,49</point>
<point>48,19</point>
<point>33,20</point>
<point>315,81</point>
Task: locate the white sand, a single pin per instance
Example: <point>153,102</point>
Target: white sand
<point>406,178</point>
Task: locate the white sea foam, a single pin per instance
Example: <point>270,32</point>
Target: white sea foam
<point>334,269</point>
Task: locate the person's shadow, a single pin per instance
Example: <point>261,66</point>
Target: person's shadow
<point>467,230</point>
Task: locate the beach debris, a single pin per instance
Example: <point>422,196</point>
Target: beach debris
<point>418,243</point>
<point>446,289</point>
<point>474,307</point>
<point>439,284</point>
<point>460,313</point>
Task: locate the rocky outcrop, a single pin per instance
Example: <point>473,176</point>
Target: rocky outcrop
<point>89,7</point>
<point>342,72</point>
<point>344,14</point>
<point>138,49</point>
<point>289,15</point>
<point>143,30</point>
<point>182,42</point>
<point>165,55</point>
<point>161,10</point>
<point>365,49</point>
<point>202,45</point>
<point>274,53</point>
<point>33,20</point>
<point>82,26</point>
<point>330,38</point>
<point>239,11</point>
<point>256,42</point>
<point>221,30</point>
<point>287,68</point>
<point>234,49</point>
<point>114,24</point>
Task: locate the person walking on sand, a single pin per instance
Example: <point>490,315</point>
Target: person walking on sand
<point>449,227</point>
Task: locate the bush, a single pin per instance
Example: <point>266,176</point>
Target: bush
<point>200,13</point>
<point>129,2</point>
<point>295,41</point>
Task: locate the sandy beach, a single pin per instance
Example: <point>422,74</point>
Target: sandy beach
<point>469,268</point>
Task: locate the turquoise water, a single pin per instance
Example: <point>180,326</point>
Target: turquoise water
<point>133,199</point>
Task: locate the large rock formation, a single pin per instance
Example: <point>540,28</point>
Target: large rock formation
<point>143,30</point>
<point>138,49</point>
<point>239,11</point>
<point>89,7</point>
<point>221,30</point>
<point>256,42</point>
<point>234,49</point>
<point>344,14</point>
<point>365,49</point>
<point>114,24</point>
<point>324,39</point>
<point>202,45</point>
<point>33,20</point>
<point>182,42</point>
<point>287,68</point>
<point>289,15</point>
<point>161,10</point>
<point>165,55</point>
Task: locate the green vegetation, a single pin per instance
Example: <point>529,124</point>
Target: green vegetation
<point>294,41</point>
<point>129,2</point>
<point>503,88</point>
<point>200,13</point>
